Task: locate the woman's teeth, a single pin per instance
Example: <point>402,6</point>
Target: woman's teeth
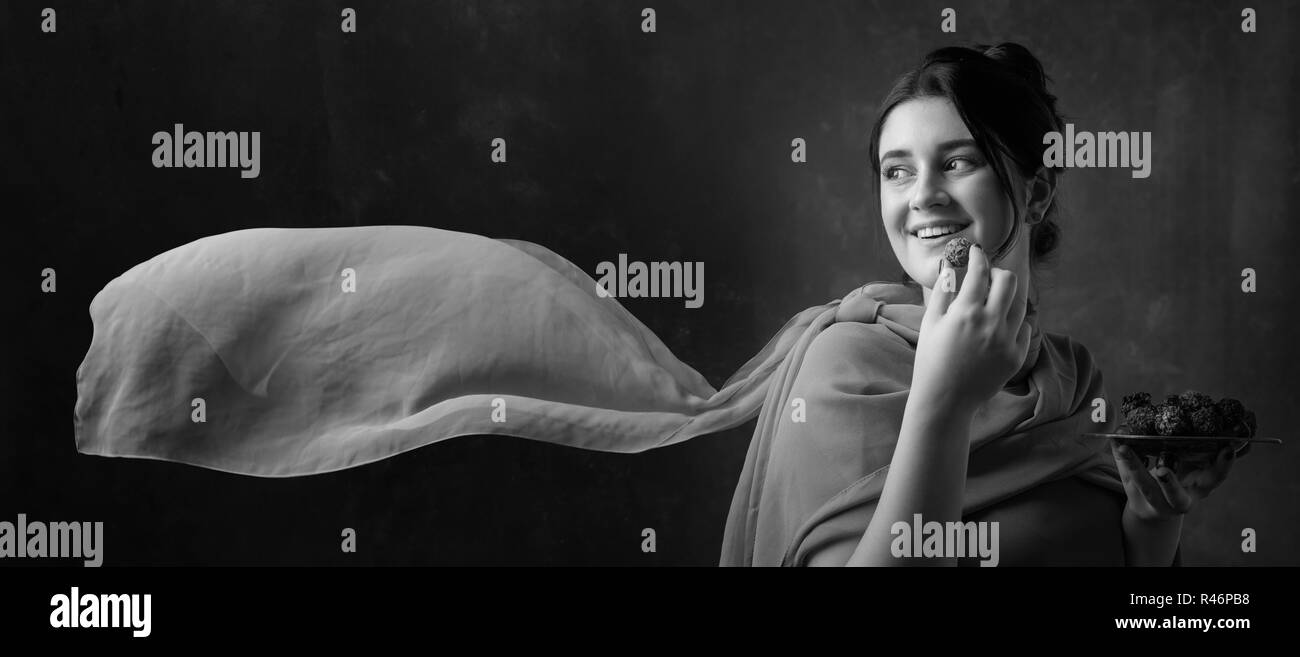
<point>938,231</point>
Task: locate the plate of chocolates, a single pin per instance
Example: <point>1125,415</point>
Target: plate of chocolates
<point>1188,429</point>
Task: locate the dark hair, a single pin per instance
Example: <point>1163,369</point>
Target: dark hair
<point>1001,94</point>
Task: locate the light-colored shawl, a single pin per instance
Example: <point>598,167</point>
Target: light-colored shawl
<point>813,484</point>
<point>446,334</point>
<point>247,352</point>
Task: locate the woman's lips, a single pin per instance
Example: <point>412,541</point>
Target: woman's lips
<point>943,239</point>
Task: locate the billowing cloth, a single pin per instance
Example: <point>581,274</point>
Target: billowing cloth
<point>811,484</point>
<point>287,352</point>
<point>446,334</point>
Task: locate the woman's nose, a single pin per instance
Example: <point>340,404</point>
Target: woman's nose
<point>928,192</point>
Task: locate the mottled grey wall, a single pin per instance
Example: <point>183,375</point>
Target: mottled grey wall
<point>666,146</point>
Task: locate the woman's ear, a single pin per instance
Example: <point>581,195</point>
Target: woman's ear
<point>1040,190</point>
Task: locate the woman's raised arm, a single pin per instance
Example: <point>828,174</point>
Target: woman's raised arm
<point>971,343</point>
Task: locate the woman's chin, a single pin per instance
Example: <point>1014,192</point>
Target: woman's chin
<point>927,277</point>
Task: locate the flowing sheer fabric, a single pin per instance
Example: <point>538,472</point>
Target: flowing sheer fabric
<point>289,352</point>
<point>446,334</point>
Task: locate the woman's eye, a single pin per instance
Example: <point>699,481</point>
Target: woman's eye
<point>960,164</point>
<point>895,173</point>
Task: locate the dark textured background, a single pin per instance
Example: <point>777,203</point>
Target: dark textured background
<point>673,145</point>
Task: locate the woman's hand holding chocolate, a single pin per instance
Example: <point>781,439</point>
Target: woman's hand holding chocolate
<point>972,341</point>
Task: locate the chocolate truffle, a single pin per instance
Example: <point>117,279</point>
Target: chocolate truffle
<point>957,252</point>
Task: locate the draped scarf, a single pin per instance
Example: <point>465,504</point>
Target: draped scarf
<point>248,352</point>
<point>815,469</point>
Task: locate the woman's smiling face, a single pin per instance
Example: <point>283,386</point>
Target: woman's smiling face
<point>936,185</point>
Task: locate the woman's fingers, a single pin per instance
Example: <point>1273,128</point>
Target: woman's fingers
<point>1002,291</point>
<point>945,289</point>
<point>1016,312</point>
<point>1162,491</point>
<point>975,288</point>
<point>1205,480</point>
<point>1129,466</point>
<point>1180,501</point>
<point>1138,484</point>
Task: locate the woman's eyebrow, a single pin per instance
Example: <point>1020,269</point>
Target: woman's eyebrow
<point>945,146</point>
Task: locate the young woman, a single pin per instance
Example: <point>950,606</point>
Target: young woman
<point>289,352</point>
<point>925,398</point>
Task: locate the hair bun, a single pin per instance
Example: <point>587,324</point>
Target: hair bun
<point>1019,59</point>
